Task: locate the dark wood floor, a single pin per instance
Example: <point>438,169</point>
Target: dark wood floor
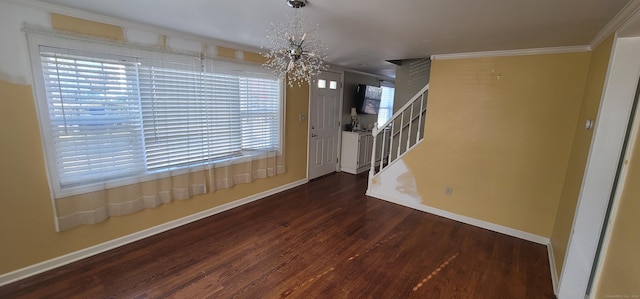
<point>321,240</point>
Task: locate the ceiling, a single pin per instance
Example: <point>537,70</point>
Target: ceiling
<point>363,34</point>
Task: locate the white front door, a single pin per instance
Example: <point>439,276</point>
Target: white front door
<point>324,124</point>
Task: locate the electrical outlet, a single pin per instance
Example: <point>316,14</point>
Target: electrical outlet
<point>448,190</point>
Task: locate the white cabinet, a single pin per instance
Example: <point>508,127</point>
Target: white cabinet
<point>356,152</point>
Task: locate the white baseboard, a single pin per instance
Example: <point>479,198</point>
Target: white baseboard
<point>552,266</point>
<point>19,274</point>
<point>464,219</point>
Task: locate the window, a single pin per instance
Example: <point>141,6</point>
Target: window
<point>386,105</point>
<point>109,118</point>
<point>192,117</point>
<point>94,116</point>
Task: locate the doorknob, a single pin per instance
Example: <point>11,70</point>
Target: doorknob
<point>313,135</point>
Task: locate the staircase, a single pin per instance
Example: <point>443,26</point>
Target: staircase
<point>398,135</point>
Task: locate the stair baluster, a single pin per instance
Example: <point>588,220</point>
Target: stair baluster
<point>386,153</point>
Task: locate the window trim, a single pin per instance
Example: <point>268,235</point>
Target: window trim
<point>390,108</point>
<point>37,37</point>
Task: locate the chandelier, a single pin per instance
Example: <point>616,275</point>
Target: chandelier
<point>294,53</point>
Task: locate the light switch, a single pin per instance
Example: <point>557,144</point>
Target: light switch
<point>303,117</point>
<point>588,124</point>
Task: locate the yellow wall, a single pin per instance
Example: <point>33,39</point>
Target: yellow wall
<point>254,57</point>
<point>621,266</point>
<point>86,27</point>
<point>226,52</point>
<point>499,131</point>
<point>27,234</point>
<point>579,151</point>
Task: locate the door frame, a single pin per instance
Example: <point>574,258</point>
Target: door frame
<point>312,93</point>
<point>601,169</point>
<point>609,225</point>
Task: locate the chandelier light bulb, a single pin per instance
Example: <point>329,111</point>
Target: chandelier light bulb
<point>294,53</point>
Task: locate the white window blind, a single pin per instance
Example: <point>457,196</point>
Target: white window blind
<point>94,112</point>
<point>194,117</point>
<point>260,113</point>
<point>189,117</point>
<point>117,115</point>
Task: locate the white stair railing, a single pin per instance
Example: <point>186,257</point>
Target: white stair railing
<point>399,134</point>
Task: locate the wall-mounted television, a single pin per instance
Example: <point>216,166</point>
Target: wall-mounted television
<point>368,99</point>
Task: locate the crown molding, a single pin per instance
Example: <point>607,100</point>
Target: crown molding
<point>519,52</point>
<point>630,28</point>
<point>626,18</point>
<point>127,24</point>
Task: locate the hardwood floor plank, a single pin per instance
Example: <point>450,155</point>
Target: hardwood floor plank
<point>325,239</point>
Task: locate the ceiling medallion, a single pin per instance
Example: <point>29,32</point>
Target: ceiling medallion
<point>294,53</point>
<point>296,3</point>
